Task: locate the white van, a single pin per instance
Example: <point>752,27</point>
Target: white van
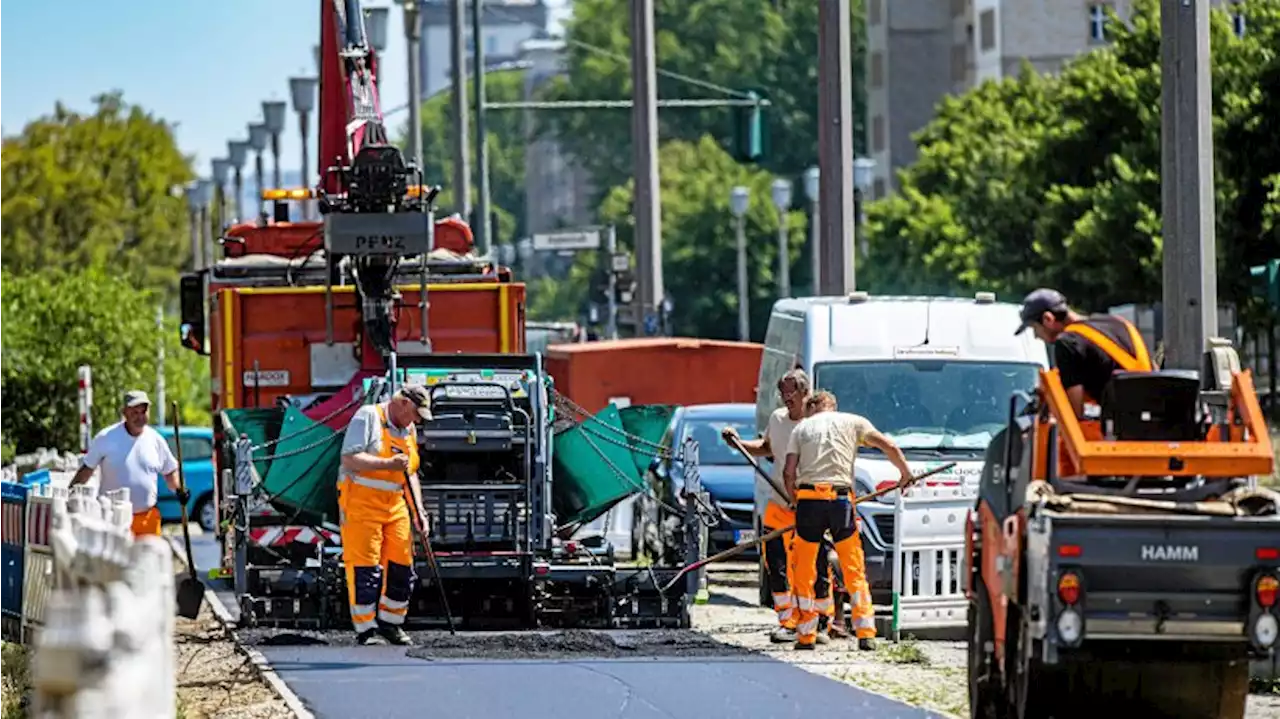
<point>935,374</point>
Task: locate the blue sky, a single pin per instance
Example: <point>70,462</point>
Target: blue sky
<point>205,66</point>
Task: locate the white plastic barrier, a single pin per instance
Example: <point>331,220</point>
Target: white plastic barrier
<point>929,562</point>
<point>37,582</point>
<point>106,649</point>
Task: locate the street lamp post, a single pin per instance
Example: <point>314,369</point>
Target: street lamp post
<point>863,175</point>
<point>273,112</point>
<point>206,233</point>
<point>812,178</point>
<point>782,201</point>
<point>195,194</point>
<point>375,28</point>
<point>303,92</point>
<point>258,138</point>
<point>236,151</point>
<point>220,167</point>
<point>739,200</point>
<point>413,41</point>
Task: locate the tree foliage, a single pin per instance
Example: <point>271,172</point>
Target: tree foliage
<point>505,142</point>
<point>700,246</point>
<point>60,319</point>
<point>89,189</point>
<point>766,46</point>
<point>1055,181</point>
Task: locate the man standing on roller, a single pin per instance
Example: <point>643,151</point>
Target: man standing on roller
<point>793,388</point>
<point>819,474</point>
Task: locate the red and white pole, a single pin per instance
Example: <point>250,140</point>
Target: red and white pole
<point>85,376</point>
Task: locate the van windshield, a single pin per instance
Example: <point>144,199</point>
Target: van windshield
<point>929,404</point>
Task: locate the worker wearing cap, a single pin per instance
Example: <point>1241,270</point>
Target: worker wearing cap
<point>1087,351</point>
<point>793,389</point>
<point>819,474</point>
<point>131,455</point>
<point>379,465</point>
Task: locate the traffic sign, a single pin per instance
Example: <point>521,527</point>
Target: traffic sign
<point>587,239</point>
<point>621,262</point>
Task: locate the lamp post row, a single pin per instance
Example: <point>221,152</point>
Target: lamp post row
<point>780,191</point>
<point>206,195</point>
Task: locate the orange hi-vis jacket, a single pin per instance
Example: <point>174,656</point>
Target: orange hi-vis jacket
<point>1139,361</point>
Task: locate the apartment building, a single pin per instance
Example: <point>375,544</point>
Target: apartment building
<point>918,51</point>
<point>505,24</point>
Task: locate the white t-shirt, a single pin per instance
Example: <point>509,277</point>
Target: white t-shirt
<point>778,431</point>
<point>827,445</point>
<point>125,461</point>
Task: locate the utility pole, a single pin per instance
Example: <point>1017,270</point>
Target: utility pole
<point>835,147</point>
<point>739,202</point>
<point>611,322</point>
<point>160,366</point>
<point>644,143</point>
<point>461,145</point>
<point>413,36</point>
<point>1186,177</point>
<point>483,230</point>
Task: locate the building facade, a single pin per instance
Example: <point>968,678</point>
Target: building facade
<point>918,51</point>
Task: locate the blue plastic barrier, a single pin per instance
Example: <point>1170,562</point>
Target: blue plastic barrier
<point>12,556</point>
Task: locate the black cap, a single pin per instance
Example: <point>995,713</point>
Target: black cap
<point>417,394</point>
<point>1037,303</point>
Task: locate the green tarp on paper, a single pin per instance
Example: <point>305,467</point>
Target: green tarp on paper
<point>301,483</point>
<point>597,465</point>
<point>260,425</point>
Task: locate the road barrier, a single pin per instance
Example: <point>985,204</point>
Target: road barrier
<point>929,562</point>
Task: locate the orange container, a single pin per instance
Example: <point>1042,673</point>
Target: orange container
<point>655,370</point>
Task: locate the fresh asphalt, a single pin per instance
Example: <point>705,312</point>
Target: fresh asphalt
<point>381,681</point>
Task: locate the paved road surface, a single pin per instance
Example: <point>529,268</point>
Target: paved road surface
<point>339,682</point>
<point>344,681</point>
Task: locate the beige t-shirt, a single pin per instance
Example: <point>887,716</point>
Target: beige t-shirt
<point>779,433</point>
<point>827,445</point>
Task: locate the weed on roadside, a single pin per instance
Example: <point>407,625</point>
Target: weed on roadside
<point>907,651</point>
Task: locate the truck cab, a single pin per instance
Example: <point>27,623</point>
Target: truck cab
<point>932,373</point>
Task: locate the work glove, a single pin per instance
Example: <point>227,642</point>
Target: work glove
<point>183,495</point>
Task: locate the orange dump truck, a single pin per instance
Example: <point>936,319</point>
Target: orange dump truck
<point>655,370</point>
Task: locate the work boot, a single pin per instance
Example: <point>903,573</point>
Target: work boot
<point>867,644</point>
<point>394,634</point>
<point>803,647</point>
<point>837,630</point>
<point>782,635</point>
<point>370,637</point>
<point>823,637</point>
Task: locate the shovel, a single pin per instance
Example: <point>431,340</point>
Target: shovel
<point>190,589</point>
<point>739,548</point>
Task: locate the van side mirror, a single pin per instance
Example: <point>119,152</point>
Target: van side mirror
<point>193,306</point>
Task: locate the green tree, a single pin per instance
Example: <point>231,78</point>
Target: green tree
<point>1055,181</point>
<point>59,319</point>
<point>699,243</point>
<point>506,140</point>
<point>765,46</point>
<point>83,189</point>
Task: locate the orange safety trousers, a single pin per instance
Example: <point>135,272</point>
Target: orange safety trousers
<point>821,509</point>
<point>377,537</point>
<point>778,558</point>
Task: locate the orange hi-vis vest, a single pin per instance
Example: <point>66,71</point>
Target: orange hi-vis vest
<point>1139,361</point>
<point>390,480</point>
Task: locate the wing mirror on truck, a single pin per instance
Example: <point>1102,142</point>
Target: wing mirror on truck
<point>194,330</point>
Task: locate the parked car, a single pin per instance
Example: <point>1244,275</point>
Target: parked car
<point>724,473</point>
<point>197,468</point>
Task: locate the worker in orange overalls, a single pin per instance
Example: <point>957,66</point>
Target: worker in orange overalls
<point>793,388</point>
<point>1087,351</point>
<point>819,474</point>
<point>380,464</point>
